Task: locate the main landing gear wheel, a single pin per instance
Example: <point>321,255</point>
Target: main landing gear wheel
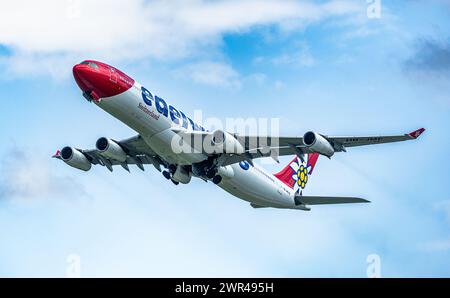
<point>172,168</point>
<point>217,179</point>
<point>210,174</point>
<point>174,182</point>
<point>167,175</point>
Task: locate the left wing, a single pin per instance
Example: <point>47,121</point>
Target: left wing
<point>363,141</point>
<point>257,147</point>
<point>339,143</point>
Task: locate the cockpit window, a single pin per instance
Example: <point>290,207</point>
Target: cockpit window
<point>91,64</point>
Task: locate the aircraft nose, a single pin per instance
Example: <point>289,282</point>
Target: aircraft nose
<point>98,80</point>
<point>83,77</point>
<point>88,79</point>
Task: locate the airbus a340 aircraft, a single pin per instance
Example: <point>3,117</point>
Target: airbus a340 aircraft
<point>226,159</point>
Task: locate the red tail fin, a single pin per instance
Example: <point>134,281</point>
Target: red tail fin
<point>296,173</point>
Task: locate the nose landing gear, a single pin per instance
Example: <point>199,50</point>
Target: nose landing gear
<point>91,96</point>
<point>88,96</point>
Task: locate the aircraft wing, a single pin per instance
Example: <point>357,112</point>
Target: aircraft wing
<point>257,147</point>
<point>138,153</point>
<point>372,140</point>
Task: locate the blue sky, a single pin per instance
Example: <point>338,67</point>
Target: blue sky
<point>322,66</point>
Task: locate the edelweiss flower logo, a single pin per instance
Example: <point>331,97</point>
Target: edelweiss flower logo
<point>300,176</point>
<point>296,174</point>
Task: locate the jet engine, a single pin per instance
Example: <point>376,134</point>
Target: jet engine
<point>182,175</point>
<point>75,158</point>
<point>226,172</point>
<point>318,143</point>
<point>223,142</point>
<point>110,149</point>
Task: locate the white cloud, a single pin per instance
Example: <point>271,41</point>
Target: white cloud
<point>257,78</point>
<point>48,33</point>
<point>210,73</point>
<point>300,56</point>
<point>360,32</point>
<point>27,178</point>
<point>58,66</point>
<point>436,246</point>
<point>279,84</point>
<point>444,207</point>
<point>219,74</point>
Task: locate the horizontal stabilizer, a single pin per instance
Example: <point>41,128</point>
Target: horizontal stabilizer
<point>313,200</point>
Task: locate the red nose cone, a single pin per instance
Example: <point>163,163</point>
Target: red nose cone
<point>101,80</point>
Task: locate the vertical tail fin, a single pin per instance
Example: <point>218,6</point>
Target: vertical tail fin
<point>296,173</point>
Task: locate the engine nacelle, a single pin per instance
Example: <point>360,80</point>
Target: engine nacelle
<point>182,175</point>
<point>226,172</point>
<point>110,149</point>
<point>223,142</point>
<point>318,144</point>
<point>75,158</point>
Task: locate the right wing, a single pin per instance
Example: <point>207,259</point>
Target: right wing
<point>137,153</point>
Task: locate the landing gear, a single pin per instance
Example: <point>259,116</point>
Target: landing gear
<point>167,175</point>
<point>169,172</point>
<point>210,173</point>
<point>217,179</point>
<point>88,96</point>
<point>172,169</point>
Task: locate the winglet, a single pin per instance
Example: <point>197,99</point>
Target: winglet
<point>415,134</point>
<point>57,154</point>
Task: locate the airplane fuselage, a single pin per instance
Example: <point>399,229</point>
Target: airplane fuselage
<point>153,118</point>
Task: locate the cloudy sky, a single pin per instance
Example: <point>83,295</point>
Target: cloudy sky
<point>336,67</point>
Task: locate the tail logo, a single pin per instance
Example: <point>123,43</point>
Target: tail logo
<point>300,176</point>
<point>296,173</point>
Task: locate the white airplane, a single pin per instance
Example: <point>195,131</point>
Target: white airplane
<point>229,165</point>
